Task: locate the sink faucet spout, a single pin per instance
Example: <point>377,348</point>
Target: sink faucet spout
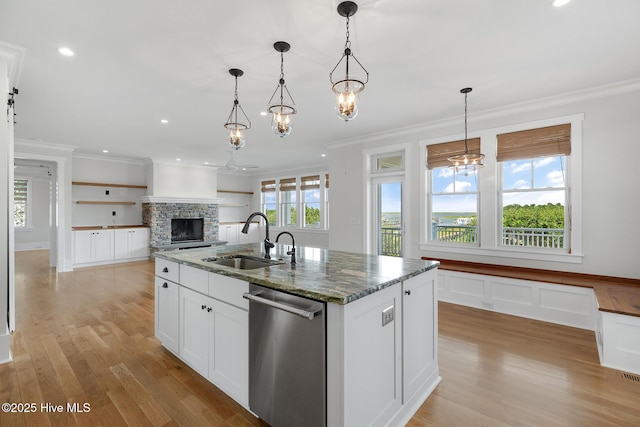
<point>292,252</point>
<point>267,243</point>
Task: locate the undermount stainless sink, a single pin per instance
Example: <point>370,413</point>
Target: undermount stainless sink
<point>242,262</point>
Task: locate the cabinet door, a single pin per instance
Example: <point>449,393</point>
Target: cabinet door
<point>167,303</point>
<point>121,243</point>
<point>82,246</point>
<point>229,351</point>
<point>139,242</point>
<point>194,315</point>
<point>229,233</point>
<point>420,325</point>
<point>103,245</point>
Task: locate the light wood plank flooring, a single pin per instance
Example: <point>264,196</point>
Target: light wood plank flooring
<point>87,337</point>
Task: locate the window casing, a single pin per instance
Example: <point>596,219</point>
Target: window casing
<point>282,199</point>
<point>491,181</point>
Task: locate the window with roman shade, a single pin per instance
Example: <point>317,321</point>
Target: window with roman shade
<point>269,201</point>
<point>288,202</point>
<point>453,196</point>
<point>310,191</point>
<point>534,192</point>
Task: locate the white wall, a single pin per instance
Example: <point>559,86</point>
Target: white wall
<point>5,162</point>
<point>171,180</point>
<point>109,171</point>
<point>235,207</point>
<point>611,201</point>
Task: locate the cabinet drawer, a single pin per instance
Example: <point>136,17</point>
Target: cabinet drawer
<point>194,278</point>
<point>167,270</point>
<point>229,290</point>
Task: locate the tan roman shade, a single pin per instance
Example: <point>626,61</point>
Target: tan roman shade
<point>288,184</point>
<point>310,182</point>
<point>438,154</point>
<point>268,186</point>
<point>541,142</point>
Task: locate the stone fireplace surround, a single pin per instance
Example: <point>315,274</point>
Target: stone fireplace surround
<point>157,213</point>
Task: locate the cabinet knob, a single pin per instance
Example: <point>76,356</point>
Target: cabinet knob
<point>165,285</point>
<point>408,292</point>
<point>203,307</point>
<point>209,309</point>
<point>165,270</point>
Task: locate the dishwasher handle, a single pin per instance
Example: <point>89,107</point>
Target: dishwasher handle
<point>310,315</point>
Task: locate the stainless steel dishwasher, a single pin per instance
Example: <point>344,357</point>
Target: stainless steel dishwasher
<point>287,363</point>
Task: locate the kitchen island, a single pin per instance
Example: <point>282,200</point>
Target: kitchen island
<point>381,323</point>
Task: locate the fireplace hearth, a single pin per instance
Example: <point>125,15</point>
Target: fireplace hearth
<point>187,230</point>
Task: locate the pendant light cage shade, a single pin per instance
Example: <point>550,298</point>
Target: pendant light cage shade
<point>236,125</point>
<point>467,163</point>
<point>348,88</point>
<point>284,107</point>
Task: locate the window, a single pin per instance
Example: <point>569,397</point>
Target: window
<point>22,203</point>
<point>534,193</point>
<point>288,202</point>
<point>268,190</point>
<point>525,203</point>
<point>453,195</point>
<point>310,189</point>
<point>283,198</point>
<point>388,162</point>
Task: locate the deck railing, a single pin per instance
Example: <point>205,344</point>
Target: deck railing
<point>391,241</point>
<point>511,236</point>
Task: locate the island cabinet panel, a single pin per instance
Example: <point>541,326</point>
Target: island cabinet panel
<point>419,333</point>
<point>167,303</point>
<point>167,270</point>
<point>194,278</point>
<point>195,324</point>
<point>372,365</point>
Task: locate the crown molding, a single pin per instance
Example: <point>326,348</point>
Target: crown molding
<point>43,144</point>
<point>138,162</point>
<point>597,92</point>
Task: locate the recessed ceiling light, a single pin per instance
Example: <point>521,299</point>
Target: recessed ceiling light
<point>65,51</point>
<point>206,163</point>
<point>323,155</point>
<point>558,3</point>
<point>164,121</point>
<point>178,160</point>
<point>263,113</point>
<point>105,151</point>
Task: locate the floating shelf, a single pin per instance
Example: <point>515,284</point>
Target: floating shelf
<point>236,192</point>
<point>92,202</point>
<point>105,184</point>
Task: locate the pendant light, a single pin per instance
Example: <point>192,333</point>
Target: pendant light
<point>281,112</point>
<point>348,87</point>
<point>469,163</point>
<point>235,126</point>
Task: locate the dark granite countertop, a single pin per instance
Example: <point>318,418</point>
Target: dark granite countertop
<point>325,275</point>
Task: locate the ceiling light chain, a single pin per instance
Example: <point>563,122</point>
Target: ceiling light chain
<point>281,113</point>
<point>469,163</point>
<point>348,88</point>
<point>236,127</point>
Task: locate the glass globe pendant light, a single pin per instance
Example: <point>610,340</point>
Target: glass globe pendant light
<point>469,163</point>
<point>348,88</point>
<point>281,112</point>
<point>237,127</point>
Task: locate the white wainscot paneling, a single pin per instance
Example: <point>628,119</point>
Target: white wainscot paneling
<point>621,342</point>
<point>562,304</point>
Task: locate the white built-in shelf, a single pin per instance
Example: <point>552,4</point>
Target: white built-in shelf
<point>250,193</point>
<point>100,202</point>
<point>106,184</point>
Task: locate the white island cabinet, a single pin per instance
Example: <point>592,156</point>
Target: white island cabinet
<point>381,327</point>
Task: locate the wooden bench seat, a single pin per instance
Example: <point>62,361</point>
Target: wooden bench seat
<point>614,294</point>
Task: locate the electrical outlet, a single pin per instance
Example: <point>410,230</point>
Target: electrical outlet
<point>106,192</point>
<point>387,315</point>
<point>113,213</point>
<point>487,305</point>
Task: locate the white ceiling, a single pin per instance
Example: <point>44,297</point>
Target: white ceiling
<point>137,62</point>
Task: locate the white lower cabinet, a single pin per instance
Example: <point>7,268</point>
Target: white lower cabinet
<point>131,243</point>
<point>91,246</point>
<point>419,333</point>
<point>212,330</point>
<point>167,303</point>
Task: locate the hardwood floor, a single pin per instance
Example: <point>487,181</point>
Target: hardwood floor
<point>87,337</point>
